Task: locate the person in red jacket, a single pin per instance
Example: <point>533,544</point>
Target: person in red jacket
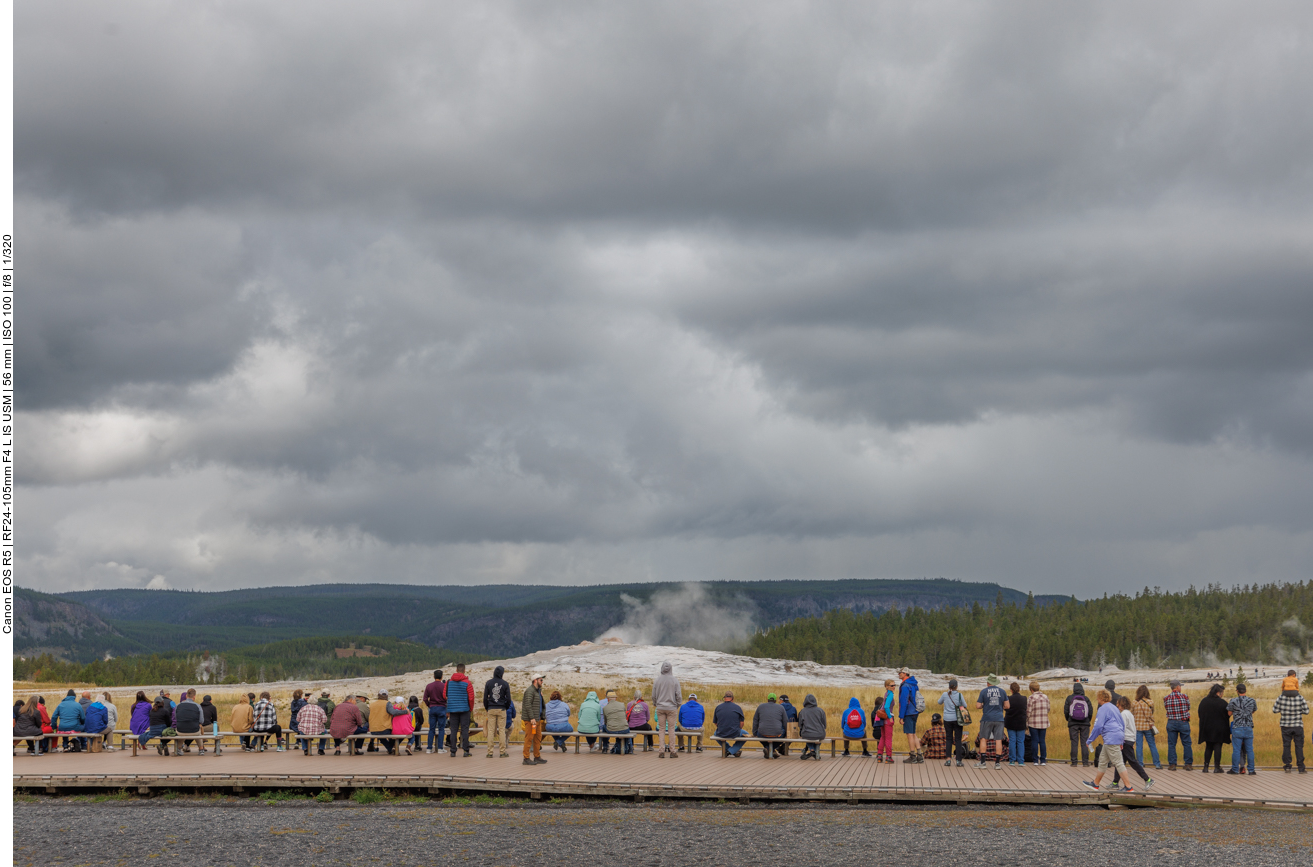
<point>460,704</point>
<point>347,720</point>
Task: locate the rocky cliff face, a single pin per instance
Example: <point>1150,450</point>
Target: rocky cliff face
<point>48,624</point>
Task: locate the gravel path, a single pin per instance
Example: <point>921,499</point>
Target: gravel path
<point>238,832</point>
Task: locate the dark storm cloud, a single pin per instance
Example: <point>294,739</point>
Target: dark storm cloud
<point>511,291</point>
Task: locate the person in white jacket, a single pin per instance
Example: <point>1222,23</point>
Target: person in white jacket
<point>666,698</point>
<point>113,714</point>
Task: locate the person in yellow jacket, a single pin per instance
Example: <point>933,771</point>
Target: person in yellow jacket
<point>243,718</point>
<point>381,712</point>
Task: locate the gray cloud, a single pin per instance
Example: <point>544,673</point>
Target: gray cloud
<point>583,294</point>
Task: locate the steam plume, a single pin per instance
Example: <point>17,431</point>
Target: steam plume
<point>684,617</point>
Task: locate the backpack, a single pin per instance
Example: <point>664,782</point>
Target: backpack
<point>854,719</point>
<point>920,702</point>
<point>1079,708</point>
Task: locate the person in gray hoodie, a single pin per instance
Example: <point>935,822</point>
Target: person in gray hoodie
<point>769,721</point>
<point>811,727</point>
<point>666,698</point>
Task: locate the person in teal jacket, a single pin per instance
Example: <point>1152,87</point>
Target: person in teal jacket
<point>854,726</point>
<point>590,718</point>
<point>70,717</point>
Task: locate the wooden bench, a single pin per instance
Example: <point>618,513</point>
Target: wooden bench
<point>55,736</point>
<point>579,736</point>
<point>726,742</point>
<point>690,734</point>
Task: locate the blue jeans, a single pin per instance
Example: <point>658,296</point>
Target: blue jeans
<point>560,742</point>
<point>1242,745</point>
<point>1141,738</point>
<point>620,746</point>
<point>152,732</point>
<point>1179,728</point>
<point>1017,746</point>
<point>1040,745</point>
<point>438,724</point>
<point>735,748</point>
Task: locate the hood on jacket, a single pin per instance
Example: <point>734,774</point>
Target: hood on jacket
<point>853,702</point>
<point>810,701</point>
<point>1078,689</point>
<point>592,696</point>
<point>666,668</point>
<point>498,671</point>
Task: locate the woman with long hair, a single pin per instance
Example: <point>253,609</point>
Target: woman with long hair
<point>140,720</point>
<point>1143,711</point>
<point>27,723</point>
<point>1214,726</point>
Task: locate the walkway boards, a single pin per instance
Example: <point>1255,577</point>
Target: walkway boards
<point>643,775</point>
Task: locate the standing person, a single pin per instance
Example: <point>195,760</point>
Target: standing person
<point>557,720</point>
<point>910,704</point>
<point>311,723</point>
<point>1214,727</point>
<point>667,696</point>
<point>1128,743</point>
<point>993,705</point>
<point>853,725</point>
<point>1014,720</point>
<point>953,704</point>
<point>1108,725</point>
<point>265,721</point>
<point>533,713</point>
<point>346,721</point>
<point>615,723</point>
<point>1241,710</point>
<point>1293,708</point>
<point>1177,705</point>
<point>728,719</point>
<point>1111,687</point>
<point>590,718</point>
<point>435,699</point>
<point>769,722</point>
<point>460,703</point>
<point>691,719</point>
<point>811,727</point>
<point>1037,719</point>
<point>1079,713</point>
<point>1144,727</point>
<point>497,702</point>
<point>241,720</point>
<point>112,714</point>
<point>888,707</point>
<point>639,716</point>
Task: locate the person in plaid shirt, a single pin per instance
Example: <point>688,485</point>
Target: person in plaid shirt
<point>312,721</point>
<point>1177,704</point>
<point>1037,719</point>
<point>1143,711</point>
<point>1293,708</point>
<point>266,721</point>
<point>935,742</point>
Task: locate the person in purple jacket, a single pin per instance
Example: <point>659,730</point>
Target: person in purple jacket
<point>140,720</point>
<point>1108,724</point>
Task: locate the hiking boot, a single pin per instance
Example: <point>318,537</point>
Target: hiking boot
<point>980,766</point>
<point>1171,767</point>
<point>948,764</point>
<point>910,760</point>
<point>661,755</point>
<point>1253,773</point>
<point>920,758</point>
<point>673,755</point>
<point>467,754</point>
<point>1189,767</point>
<point>1233,771</point>
<point>959,763</point>
<point>1205,770</point>
<point>539,761</point>
<point>529,762</point>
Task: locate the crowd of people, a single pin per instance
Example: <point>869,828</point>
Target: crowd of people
<point>1013,723</point>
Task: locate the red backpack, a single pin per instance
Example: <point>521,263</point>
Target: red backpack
<point>855,719</point>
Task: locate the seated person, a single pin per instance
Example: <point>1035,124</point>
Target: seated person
<point>935,741</point>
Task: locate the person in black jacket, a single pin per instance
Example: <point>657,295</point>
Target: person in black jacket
<point>188,716</point>
<point>1078,729</point>
<point>161,718</point>
<point>209,717</point>
<point>1214,726</point>
<point>497,702</point>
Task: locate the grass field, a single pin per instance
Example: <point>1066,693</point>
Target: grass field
<point>1267,732</point>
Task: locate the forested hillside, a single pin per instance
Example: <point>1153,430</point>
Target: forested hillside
<point>1198,627</point>
<point>302,658</point>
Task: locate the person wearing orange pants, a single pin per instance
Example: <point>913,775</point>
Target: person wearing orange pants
<point>533,716</point>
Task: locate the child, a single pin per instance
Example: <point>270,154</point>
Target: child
<point>417,715</point>
<point>1290,685</point>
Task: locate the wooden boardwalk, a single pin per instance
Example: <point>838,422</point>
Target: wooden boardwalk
<point>642,775</point>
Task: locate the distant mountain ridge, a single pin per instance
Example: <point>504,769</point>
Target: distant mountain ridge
<point>494,620</point>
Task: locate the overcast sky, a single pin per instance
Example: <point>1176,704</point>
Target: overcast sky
<point>596,292</point>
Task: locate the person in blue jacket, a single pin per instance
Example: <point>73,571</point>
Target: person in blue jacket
<point>97,720</point>
<point>691,718</point>
<point>70,717</point>
<point>908,711</point>
<point>854,726</point>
